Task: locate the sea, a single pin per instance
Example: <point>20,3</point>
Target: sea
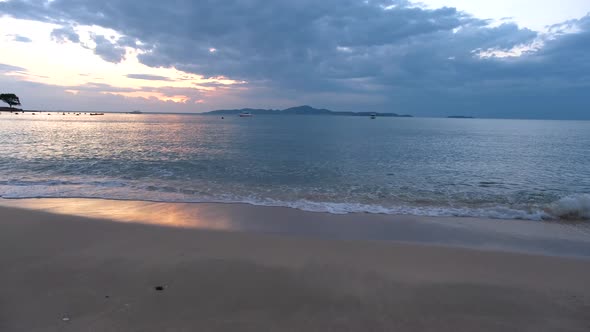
<point>492,168</point>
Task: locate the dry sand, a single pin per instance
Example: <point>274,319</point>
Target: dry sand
<point>100,276</point>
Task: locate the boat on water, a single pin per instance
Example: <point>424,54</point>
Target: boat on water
<point>373,115</point>
<point>246,115</point>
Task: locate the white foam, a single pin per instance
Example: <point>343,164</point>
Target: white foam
<point>571,207</point>
<point>497,212</point>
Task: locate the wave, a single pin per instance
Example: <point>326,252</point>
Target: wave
<point>497,212</point>
<point>573,207</point>
<point>339,208</point>
<point>51,183</point>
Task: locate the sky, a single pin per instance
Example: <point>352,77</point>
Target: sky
<point>504,59</point>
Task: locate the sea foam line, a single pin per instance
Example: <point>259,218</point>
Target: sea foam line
<point>575,207</point>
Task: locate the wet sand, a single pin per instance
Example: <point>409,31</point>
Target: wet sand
<point>70,273</point>
<point>571,239</point>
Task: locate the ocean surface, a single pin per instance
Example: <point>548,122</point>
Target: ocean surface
<point>509,169</point>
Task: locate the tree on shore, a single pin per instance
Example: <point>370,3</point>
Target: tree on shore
<point>10,98</point>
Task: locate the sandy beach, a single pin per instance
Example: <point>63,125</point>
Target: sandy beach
<point>70,273</point>
<point>294,166</point>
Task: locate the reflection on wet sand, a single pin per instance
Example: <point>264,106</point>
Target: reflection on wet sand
<point>508,235</point>
<point>163,214</point>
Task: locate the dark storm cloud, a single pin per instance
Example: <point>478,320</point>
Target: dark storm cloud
<point>399,55</point>
<point>148,77</point>
<point>65,34</point>
<point>253,39</point>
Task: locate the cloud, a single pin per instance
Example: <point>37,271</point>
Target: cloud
<point>21,39</point>
<point>4,68</point>
<point>257,40</point>
<point>347,54</point>
<point>65,34</point>
<point>148,77</point>
<point>105,48</point>
<point>108,50</point>
<point>98,87</point>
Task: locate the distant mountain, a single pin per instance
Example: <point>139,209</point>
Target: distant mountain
<point>301,110</point>
<point>306,110</point>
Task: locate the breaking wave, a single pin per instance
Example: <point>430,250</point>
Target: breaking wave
<point>573,207</point>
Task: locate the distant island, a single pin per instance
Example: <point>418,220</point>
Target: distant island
<point>302,110</point>
<point>459,117</point>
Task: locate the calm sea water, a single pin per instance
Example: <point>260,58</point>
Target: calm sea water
<point>459,167</point>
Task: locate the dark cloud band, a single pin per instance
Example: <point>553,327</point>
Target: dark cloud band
<point>390,51</point>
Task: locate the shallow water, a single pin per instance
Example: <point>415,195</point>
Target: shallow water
<point>452,167</point>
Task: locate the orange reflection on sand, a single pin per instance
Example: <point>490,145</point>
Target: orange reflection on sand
<point>184,215</point>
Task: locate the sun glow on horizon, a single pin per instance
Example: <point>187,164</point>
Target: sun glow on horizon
<point>76,68</point>
<point>154,94</point>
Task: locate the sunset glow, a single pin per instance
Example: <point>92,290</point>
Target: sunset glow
<point>75,68</point>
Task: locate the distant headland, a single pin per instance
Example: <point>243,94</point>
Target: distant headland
<point>302,110</point>
<point>10,109</point>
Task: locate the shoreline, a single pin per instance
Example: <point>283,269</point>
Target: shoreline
<point>567,239</point>
<point>570,209</point>
<point>72,273</point>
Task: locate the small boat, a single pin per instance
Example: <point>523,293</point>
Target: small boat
<point>246,115</point>
<point>96,113</point>
<point>373,115</point>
